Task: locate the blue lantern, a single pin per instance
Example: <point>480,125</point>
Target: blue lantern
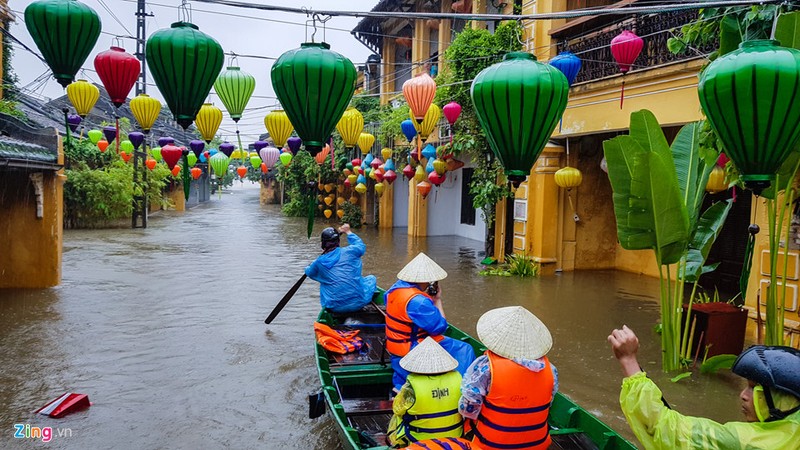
<point>568,64</point>
<point>429,152</point>
<point>361,179</point>
<point>408,129</point>
<point>388,165</point>
<point>429,167</point>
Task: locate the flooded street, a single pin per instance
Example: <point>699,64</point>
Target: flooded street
<point>164,329</point>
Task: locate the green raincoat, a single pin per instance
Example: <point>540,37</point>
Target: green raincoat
<point>658,427</point>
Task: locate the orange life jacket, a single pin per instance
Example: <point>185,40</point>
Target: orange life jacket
<point>399,329</point>
<point>441,444</point>
<point>514,412</point>
<point>337,341</point>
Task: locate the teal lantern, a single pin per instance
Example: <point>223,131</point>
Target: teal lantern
<point>185,63</point>
<point>519,102</point>
<point>750,97</point>
<point>234,87</point>
<point>65,31</point>
<point>314,86</point>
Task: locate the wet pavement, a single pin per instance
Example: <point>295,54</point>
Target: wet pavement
<point>163,328</point>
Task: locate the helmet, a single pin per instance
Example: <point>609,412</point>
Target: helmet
<point>330,238</point>
<point>773,367</point>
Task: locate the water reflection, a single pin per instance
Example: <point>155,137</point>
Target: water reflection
<point>163,328</point>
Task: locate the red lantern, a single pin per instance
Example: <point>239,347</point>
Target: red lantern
<point>626,48</point>
<point>356,162</point>
<point>378,175</point>
<point>242,171</point>
<point>176,171</point>
<point>376,163</point>
<point>435,178</point>
<point>419,92</point>
<point>390,176</point>
<point>207,154</point>
<point>347,182</point>
<point>722,160</point>
<point>125,156</point>
<point>264,168</point>
<point>424,188</point>
<point>196,172</point>
<point>171,154</point>
<point>102,145</point>
<point>150,163</point>
<point>451,112</point>
<point>118,70</point>
<point>408,171</point>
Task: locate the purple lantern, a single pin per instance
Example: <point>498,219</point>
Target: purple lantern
<point>294,144</point>
<point>136,139</point>
<point>227,148</point>
<point>73,120</point>
<point>110,133</point>
<point>164,141</point>
<point>258,145</point>
<point>269,156</point>
<point>197,146</point>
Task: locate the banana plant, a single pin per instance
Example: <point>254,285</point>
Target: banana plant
<point>658,192</point>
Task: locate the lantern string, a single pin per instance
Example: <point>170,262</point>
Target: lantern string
<point>622,92</point>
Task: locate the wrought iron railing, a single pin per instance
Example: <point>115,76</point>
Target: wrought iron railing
<point>595,52</point>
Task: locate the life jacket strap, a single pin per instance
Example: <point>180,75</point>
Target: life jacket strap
<point>489,423</point>
<point>510,446</point>
<point>505,410</point>
<point>431,415</point>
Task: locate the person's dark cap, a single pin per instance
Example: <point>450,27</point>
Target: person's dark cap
<point>330,238</point>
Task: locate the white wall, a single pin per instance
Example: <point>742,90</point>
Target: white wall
<point>400,201</point>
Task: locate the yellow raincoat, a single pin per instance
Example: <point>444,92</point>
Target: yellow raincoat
<point>658,427</point>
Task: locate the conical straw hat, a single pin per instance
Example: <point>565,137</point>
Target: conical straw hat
<point>514,332</point>
<point>428,357</point>
<point>422,269</point>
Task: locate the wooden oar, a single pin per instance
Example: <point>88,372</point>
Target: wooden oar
<point>285,300</point>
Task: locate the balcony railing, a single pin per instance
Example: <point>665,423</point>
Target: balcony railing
<point>595,52</point>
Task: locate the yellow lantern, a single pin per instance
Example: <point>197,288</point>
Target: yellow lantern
<point>568,177</point>
<point>361,188</point>
<point>379,188</point>
<point>83,95</point>
<point>428,123</point>
<point>340,213</point>
<point>145,110</point>
<point>350,126</point>
<point>207,121</point>
<point>329,188</point>
<point>716,181</point>
<point>352,178</point>
<point>353,200</point>
<point>327,213</point>
<point>365,141</point>
<point>328,201</point>
<point>419,174</point>
<point>339,201</point>
<point>386,152</point>
<point>279,127</point>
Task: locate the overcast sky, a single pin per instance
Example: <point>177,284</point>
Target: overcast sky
<point>243,31</point>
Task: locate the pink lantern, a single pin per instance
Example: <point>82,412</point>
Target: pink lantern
<point>269,155</point>
<point>626,48</point>
<point>376,163</point>
<point>451,112</point>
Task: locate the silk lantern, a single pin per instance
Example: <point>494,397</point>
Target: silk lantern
<point>126,145</point>
<point>568,177</point>
<point>286,158</point>
<point>65,31</point>
<point>278,126</point>
<point>196,172</point>
<point>625,48</point>
<point>419,92</point>
<point>242,171</point>
<point>219,163</point>
<point>255,161</point>
<point>145,110</point>
<point>294,144</point>
<point>73,121</point>
<point>270,156</point>
<point>94,136</point>
<point>361,188</point>
<point>227,148</point>
<point>390,176</point>
<point>750,97</point>
<point>314,86</point>
<point>197,146</point>
<point>379,188</point>
<point>716,180</point>
<point>436,179</point>
<point>165,140</point>
<point>451,112</point>
<point>184,63</point>
<point>424,188</point>
<point>386,152</point>
<point>110,133</point>
<point>150,163</point>
<point>234,87</point>
<point>518,102</point>
<point>408,129</point>
<point>171,154</point>
<point>136,138</point>
<point>118,70</point>
<point>568,64</point>
<point>102,145</point>
<point>83,96</point>
<point>320,157</point>
<point>350,127</point>
<point>428,124</point>
<point>365,141</point>
<point>208,120</point>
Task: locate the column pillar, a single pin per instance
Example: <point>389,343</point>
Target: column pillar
<point>543,208</point>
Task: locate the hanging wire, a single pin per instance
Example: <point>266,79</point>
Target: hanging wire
<point>185,12</point>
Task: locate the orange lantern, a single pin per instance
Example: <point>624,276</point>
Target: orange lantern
<point>242,171</point>
<point>328,201</point>
<point>328,213</point>
<point>176,170</point>
<point>264,168</point>
<point>102,145</point>
<point>339,201</point>
<point>353,200</point>
<point>424,188</point>
<point>196,172</point>
<point>150,163</point>
<point>320,157</point>
<point>125,156</point>
<point>340,213</point>
<point>419,92</point>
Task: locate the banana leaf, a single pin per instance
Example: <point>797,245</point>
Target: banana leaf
<point>784,176</point>
<point>787,31</point>
<point>713,364</point>
<point>708,228</point>
<point>693,165</point>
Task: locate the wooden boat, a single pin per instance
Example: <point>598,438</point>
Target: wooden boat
<point>356,388</point>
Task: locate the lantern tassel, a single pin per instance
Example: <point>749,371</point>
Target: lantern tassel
<point>239,138</point>
<point>622,94</point>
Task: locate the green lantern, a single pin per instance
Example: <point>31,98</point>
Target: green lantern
<point>94,136</point>
<point>191,158</point>
<point>234,87</point>
<point>155,152</point>
<point>219,162</point>
<point>65,31</point>
<point>185,63</point>
<point>750,97</point>
<point>126,146</point>
<point>519,102</point>
<point>314,85</point>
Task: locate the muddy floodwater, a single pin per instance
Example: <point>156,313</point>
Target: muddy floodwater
<point>164,329</point>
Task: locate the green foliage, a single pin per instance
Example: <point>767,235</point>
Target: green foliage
<point>352,214</point>
<point>515,265</point>
<point>369,106</point>
<point>715,363</point>
<point>680,377</point>
<point>9,76</point>
<point>10,107</point>
<point>296,177</point>
<point>390,120</point>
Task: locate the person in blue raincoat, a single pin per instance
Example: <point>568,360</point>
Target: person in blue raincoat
<point>414,311</point>
<point>342,289</point>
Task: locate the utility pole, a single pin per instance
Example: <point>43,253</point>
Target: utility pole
<point>139,155</point>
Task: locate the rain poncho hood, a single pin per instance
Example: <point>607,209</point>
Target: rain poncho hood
<point>660,428</point>
<point>341,286</point>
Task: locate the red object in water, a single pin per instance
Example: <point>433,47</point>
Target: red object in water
<point>171,154</point>
<point>242,171</point>
<point>196,172</point>
<point>118,70</point>
<point>66,404</point>
<point>150,163</point>
<point>125,156</point>
<point>176,170</point>
<point>102,145</point>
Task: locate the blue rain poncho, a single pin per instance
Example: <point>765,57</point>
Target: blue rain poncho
<point>660,428</point>
<point>341,287</point>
